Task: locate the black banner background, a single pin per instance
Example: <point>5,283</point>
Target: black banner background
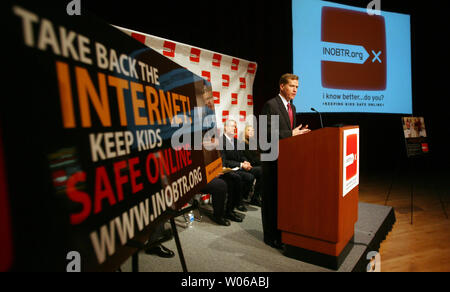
<point>41,155</point>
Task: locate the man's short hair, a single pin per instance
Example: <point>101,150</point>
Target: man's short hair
<point>229,121</point>
<point>286,77</point>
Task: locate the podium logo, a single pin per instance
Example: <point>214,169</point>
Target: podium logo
<point>353,50</point>
<point>351,158</point>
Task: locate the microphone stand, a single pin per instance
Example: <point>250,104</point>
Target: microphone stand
<point>320,115</point>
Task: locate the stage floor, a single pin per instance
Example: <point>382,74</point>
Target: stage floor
<point>208,247</point>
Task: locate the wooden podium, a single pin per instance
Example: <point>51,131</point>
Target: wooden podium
<point>318,179</point>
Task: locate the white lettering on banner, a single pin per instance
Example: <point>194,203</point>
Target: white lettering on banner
<point>47,38</point>
<point>148,73</point>
<point>110,145</point>
<point>42,34</point>
<point>121,65</point>
<point>122,228</point>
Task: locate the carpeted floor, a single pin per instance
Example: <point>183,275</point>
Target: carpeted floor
<point>208,247</point>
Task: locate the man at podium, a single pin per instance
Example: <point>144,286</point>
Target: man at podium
<point>280,106</point>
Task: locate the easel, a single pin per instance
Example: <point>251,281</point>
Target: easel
<point>142,246</point>
<point>410,172</point>
<point>412,164</point>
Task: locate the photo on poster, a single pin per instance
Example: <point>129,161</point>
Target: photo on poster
<point>414,127</point>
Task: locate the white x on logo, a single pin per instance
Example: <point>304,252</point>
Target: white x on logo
<point>376,56</point>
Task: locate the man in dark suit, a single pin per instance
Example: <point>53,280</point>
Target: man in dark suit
<point>233,157</point>
<point>218,189</point>
<point>282,107</point>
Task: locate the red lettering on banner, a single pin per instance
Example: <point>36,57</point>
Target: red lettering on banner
<point>125,176</point>
<point>234,98</point>
<point>169,49</point>
<point>235,64</point>
<point>6,249</point>
<point>216,95</point>
<point>225,116</point>
<point>217,59</point>
<point>249,99</point>
<point>103,189</point>
<point>134,174</point>
<point>242,116</point>
<point>152,177</point>
<point>166,163</point>
<point>79,197</point>
<point>243,82</point>
<point>120,179</point>
<point>138,37</point>
<point>207,75</point>
<point>173,168</point>
<point>195,55</point>
<point>251,68</point>
<point>225,80</point>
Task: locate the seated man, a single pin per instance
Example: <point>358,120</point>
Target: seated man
<point>160,234</point>
<point>218,190</point>
<point>234,186</point>
<point>232,157</point>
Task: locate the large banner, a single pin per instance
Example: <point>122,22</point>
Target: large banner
<point>231,78</point>
<point>88,139</point>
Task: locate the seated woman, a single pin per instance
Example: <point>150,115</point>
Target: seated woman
<point>254,157</point>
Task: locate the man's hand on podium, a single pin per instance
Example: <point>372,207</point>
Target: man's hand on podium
<point>300,130</point>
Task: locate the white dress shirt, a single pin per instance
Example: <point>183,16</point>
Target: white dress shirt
<point>285,102</point>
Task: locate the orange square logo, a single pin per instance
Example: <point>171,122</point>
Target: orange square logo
<point>353,58</point>
<point>351,155</point>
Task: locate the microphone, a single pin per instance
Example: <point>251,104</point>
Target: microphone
<point>320,115</point>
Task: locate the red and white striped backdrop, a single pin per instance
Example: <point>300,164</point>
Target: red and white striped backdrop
<point>231,78</point>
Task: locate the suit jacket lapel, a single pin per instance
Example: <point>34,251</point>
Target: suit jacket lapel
<point>226,143</point>
<point>284,113</point>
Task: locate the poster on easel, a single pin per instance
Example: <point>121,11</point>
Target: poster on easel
<point>415,134</point>
<point>99,138</point>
